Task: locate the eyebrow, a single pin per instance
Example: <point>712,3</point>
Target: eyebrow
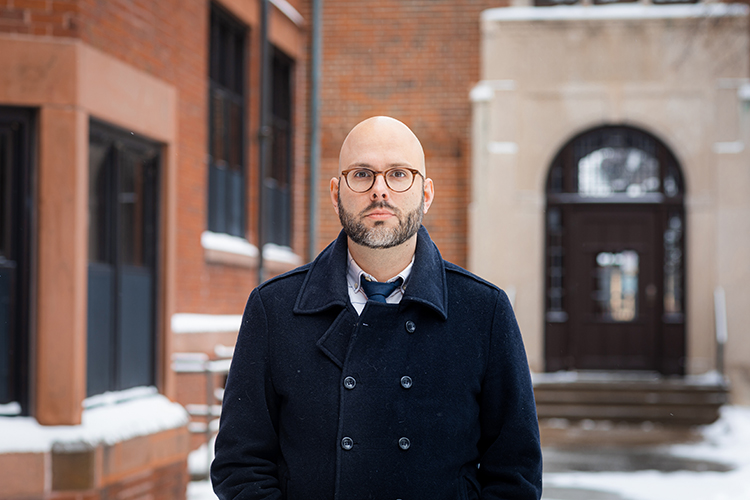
<point>391,165</point>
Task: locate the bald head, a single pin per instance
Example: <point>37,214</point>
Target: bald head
<point>381,142</point>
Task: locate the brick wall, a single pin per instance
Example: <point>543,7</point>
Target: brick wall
<point>39,17</point>
<point>169,40</point>
<point>163,483</point>
<point>415,60</point>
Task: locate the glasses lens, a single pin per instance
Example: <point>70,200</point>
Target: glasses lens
<point>360,179</point>
<point>399,179</point>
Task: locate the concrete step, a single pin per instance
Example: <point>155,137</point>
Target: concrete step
<point>679,402</point>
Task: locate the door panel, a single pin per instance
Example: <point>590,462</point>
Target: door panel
<point>613,288</point>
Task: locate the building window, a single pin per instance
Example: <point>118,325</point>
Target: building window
<point>122,255</point>
<point>226,168</point>
<point>278,178</point>
<point>15,257</point>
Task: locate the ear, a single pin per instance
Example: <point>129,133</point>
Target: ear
<point>429,194</point>
<point>335,194</point>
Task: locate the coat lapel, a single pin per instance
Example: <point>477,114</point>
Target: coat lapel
<point>427,283</point>
<point>325,287</point>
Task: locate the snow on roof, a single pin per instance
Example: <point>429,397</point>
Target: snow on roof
<point>104,424</point>
<point>615,11</point>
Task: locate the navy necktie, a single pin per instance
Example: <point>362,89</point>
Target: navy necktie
<point>377,291</point>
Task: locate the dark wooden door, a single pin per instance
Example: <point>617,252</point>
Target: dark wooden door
<point>614,282</point>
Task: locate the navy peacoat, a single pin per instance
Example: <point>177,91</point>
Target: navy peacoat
<point>428,399</point>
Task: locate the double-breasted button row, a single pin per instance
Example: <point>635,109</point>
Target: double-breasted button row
<point>350,382</point>
<point>347,443</point>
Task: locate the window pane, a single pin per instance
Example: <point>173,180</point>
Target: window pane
<point>218,128</point>
<point>217,214</point>
<point>135,341</point>
<point>99,171</point>
<point>616,295</point>
<point>235,135</point>
<point>7,269</point>
<point>5,193</point>
<point>131,209</point>
<point>611,170</point>
<point>235,186</point>
<point>673,265</point>
<point>555,288</point>
<point>100,327</point>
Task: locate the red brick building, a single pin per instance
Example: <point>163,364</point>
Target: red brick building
<point>129,133</point>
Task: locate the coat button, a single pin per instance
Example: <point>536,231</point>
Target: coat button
<point>410,326</point>
<point>350,383</point>
<point>406,382</point>
<point>347,443</point>
<point>404,443</point>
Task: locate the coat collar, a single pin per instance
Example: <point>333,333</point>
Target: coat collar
<point>325,284</point>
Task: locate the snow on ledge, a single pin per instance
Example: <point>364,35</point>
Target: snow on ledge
<point>289,11</point>
<point>106,424</point>
<point>228,243</point>
<point>617,11</point>
<point>280,253</point>
<point>205,323</point>
<point>240,246</point>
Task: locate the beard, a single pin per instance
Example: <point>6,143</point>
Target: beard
<point>381,236</point>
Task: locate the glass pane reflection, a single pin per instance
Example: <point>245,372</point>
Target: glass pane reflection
<point>673,265</point>
<point>616,295</point>
<point>610,170</point>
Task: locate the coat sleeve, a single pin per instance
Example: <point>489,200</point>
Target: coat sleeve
<point>245,465</point>
<point>510,465</point>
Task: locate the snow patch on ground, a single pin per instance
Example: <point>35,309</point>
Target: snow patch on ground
<point>201,490</point>
<point>726,441</point>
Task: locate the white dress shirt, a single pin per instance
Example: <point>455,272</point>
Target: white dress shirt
<point>357,296</point>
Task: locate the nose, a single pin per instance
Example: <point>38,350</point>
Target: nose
<point>379,190</point>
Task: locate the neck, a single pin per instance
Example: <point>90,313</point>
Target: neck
<point>383,263</point>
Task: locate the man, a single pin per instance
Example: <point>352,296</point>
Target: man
<point>341,391</point>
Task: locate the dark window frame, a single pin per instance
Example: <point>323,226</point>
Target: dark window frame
<point>227,133</point>
<point>279,177</point>
<point>19,125</point>
<point>109,253</point>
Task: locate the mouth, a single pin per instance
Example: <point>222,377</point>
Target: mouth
<point>379,215</point>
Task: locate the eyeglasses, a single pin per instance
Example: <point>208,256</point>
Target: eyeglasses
<point>398,179</point>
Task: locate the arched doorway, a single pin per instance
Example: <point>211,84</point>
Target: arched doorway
<point>615,255</point>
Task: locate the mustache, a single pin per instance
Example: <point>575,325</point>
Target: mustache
<point>380,204</point>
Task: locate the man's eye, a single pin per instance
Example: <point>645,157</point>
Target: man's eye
<point>361,174</point>
<point>398,174</point>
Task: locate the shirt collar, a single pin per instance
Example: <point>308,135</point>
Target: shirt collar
<point>354,273</point>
